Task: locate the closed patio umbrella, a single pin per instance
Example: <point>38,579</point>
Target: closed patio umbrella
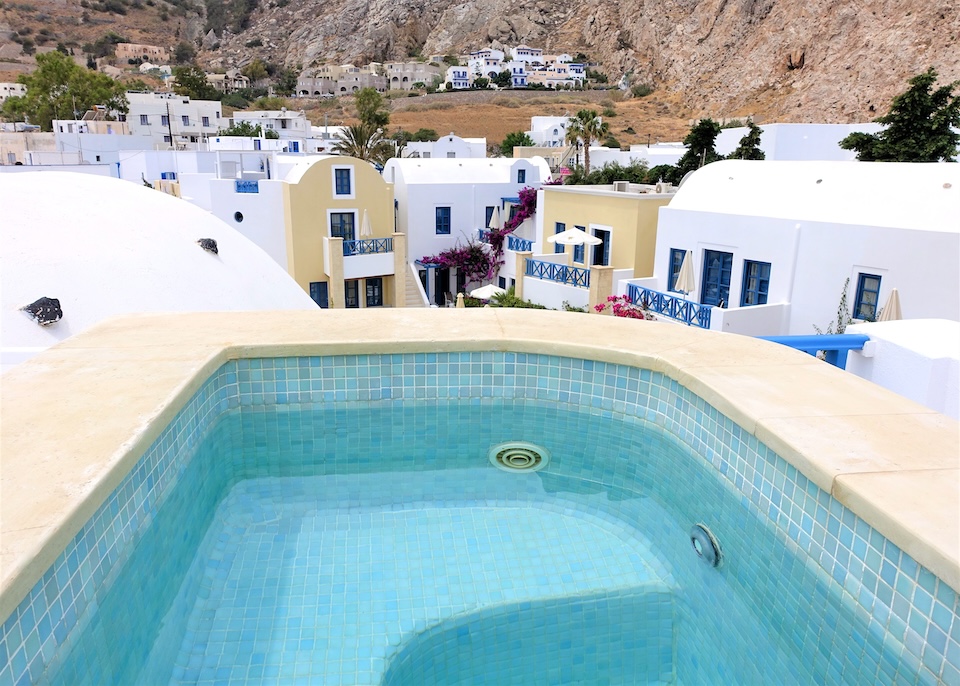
<point>365,229</point>
<point>574,236</point>
<point>686,283</point>
<point>891,310</point>
<point>495,222</point>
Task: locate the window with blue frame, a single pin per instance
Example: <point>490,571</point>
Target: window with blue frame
<point>756,283</point>
<point>560,227</point>
<point>715,286</point>
<point>676,261</point>
<point>578,251</point>
<point>521,176</point>
<point>341,181</point>
<point>443,221</point>
<point>342,225</point>
<point>375,292</point>
<point>486,222</point>
<point>868,296</point>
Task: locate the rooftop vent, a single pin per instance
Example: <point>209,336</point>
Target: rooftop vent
<point>45,311</point>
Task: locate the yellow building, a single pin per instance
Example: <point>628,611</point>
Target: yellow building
<point>623,216</point>
<point>341,245</point>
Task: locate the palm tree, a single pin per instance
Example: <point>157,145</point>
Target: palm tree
<point>587,126</point>
<point>366,142</point>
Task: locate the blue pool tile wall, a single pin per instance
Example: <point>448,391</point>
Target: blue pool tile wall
<point>904,621</point>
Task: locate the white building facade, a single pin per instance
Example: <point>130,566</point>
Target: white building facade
<point>776,245</point>
<point>444,202</point>
<point>168,119</point>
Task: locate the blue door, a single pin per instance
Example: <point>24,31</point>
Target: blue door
<point>717,267</point>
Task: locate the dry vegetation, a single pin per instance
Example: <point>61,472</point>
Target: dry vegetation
<point>493,115</point>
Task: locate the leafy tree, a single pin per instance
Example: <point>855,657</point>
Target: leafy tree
<point>192,81</point>
<point>370,109</point>
<point>286,83</point>
<point>918,126</point>
<point>255,71</point>
<point>481,83</point>
<point>271,134</point>
<point>586,127</point>
<point>635,172</point>
<point>452,60</point>
<point>424,135</point>
<point>701,148</point>
<point>662,172</point>
<point>504,79</point>
<point>749,146</point>
<point>242,128</point>
<point>365,141</point>
<point>515,139</point>
<point>184,53</point>
<point>611,142</point>
<point>59,87</point>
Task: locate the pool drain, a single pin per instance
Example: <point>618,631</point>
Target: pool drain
<point>517,456</point>
<point>705,545</point>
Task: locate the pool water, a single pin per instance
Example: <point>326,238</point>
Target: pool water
<point>373,543</point>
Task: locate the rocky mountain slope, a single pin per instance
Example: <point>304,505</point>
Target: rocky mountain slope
<point>817,60</point>
<point>849,57</point>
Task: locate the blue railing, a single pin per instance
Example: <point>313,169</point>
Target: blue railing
<point>561,273</point>
<point>518,244</point>
<point>247,186</point>
<point>835,346</point>
<point>373,246</point>
<point>672,306</point>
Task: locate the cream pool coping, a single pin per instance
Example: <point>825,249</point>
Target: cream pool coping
<point>76,418</point>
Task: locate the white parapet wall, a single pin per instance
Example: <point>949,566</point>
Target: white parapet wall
<point>917,358</point>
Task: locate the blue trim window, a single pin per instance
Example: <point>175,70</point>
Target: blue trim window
<point>318,291</point>
<point>443,221</point>
<point>521,176</point>
<point>341,181</point>
<point>601,253</point>
<point>489,216</point>
<point>374,287</point>
<point>560,227</point>
<point>715,287</point>
<point>756,283</point>
<point>868,297</point>
<point>206,121</point>
<point>676,261</point>
<point>578,251</point>
<point>342,225</point>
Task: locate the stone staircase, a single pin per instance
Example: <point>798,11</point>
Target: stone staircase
<point>415,297</point>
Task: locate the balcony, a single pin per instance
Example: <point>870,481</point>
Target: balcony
<point>518,244</point>
<point>671,306</point>
<point>558,273</point>
<point>373,246</point>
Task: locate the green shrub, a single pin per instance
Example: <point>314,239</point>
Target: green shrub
<point>641,90</point>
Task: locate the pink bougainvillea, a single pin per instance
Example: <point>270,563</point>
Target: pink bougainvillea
<point>473,260</point>
<point>622,306</point>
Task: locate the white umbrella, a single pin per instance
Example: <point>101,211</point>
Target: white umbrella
<point>574,236</point>
<point>486,292</point>
<point>495,222</point>
<point>686,283</point>
<point>891,310</point>
<point>365,229</point>
<point>460,302</point>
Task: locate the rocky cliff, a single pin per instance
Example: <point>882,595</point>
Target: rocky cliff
<point>817,60</point>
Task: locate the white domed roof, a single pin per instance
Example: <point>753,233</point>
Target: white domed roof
<point>105,247</point>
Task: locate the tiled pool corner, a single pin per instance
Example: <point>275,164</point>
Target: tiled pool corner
<point>895,595</point>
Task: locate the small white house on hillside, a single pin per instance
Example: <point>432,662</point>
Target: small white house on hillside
<point>776,244</point>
